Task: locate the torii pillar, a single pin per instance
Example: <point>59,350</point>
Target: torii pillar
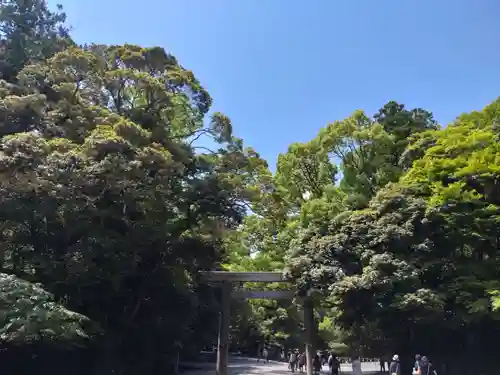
<point>309,326</point>
<point>224,321</point>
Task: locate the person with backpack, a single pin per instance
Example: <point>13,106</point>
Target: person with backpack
<point>394,367</point>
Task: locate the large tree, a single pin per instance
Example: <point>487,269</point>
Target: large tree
<point>424,253</point>
<point>105,198</point>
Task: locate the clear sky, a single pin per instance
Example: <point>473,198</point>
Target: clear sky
<point>282,69</point>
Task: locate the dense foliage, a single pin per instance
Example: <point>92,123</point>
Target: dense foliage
<point>104,198</point>
<point>110,204</point>
<point>315,184</point>
<point>391,224</point>
<point>415,269</point>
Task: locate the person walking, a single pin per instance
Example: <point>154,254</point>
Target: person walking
<point>394,367</point>
<point>316,364</point>
<point>265,355</point>
<point>356,366</point>
<point>293,361</point>
<point>302,361</point>
<point>426,367</point>
<point>333,364</point>
<point>416,365</point>
<point>382,365</point>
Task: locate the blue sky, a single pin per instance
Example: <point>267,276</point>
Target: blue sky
<point>282,69</point>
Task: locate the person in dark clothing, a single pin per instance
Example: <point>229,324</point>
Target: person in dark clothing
<point>301,361</point>
<point>316,364</point>
<point>382,365</point>
<point>333,364</point>
<point>426,367</point>
<point>394,367</point>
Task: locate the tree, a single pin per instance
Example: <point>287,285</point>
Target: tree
<point>303,172</point>
<point>33,325</point>
<point>306,196</point>
<point>259,245</point>
<point>361,146</point>
<point>29,32</point>
<point>403,124</point>
<point>424,253</point>
<point>105,201</point>
<point>29,314</point>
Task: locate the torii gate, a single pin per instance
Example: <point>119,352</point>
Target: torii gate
<point>226,279</point>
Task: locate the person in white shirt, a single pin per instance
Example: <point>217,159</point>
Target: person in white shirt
<point>265,354</point>
<point>293,361</point>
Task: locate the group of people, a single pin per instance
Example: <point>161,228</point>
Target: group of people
<point>297,361</point>
<point>422,366</point>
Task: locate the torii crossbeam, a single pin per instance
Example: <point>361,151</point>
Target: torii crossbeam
<point>226,279</point>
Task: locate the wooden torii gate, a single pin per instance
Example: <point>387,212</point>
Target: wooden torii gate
<point>226,279</point>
